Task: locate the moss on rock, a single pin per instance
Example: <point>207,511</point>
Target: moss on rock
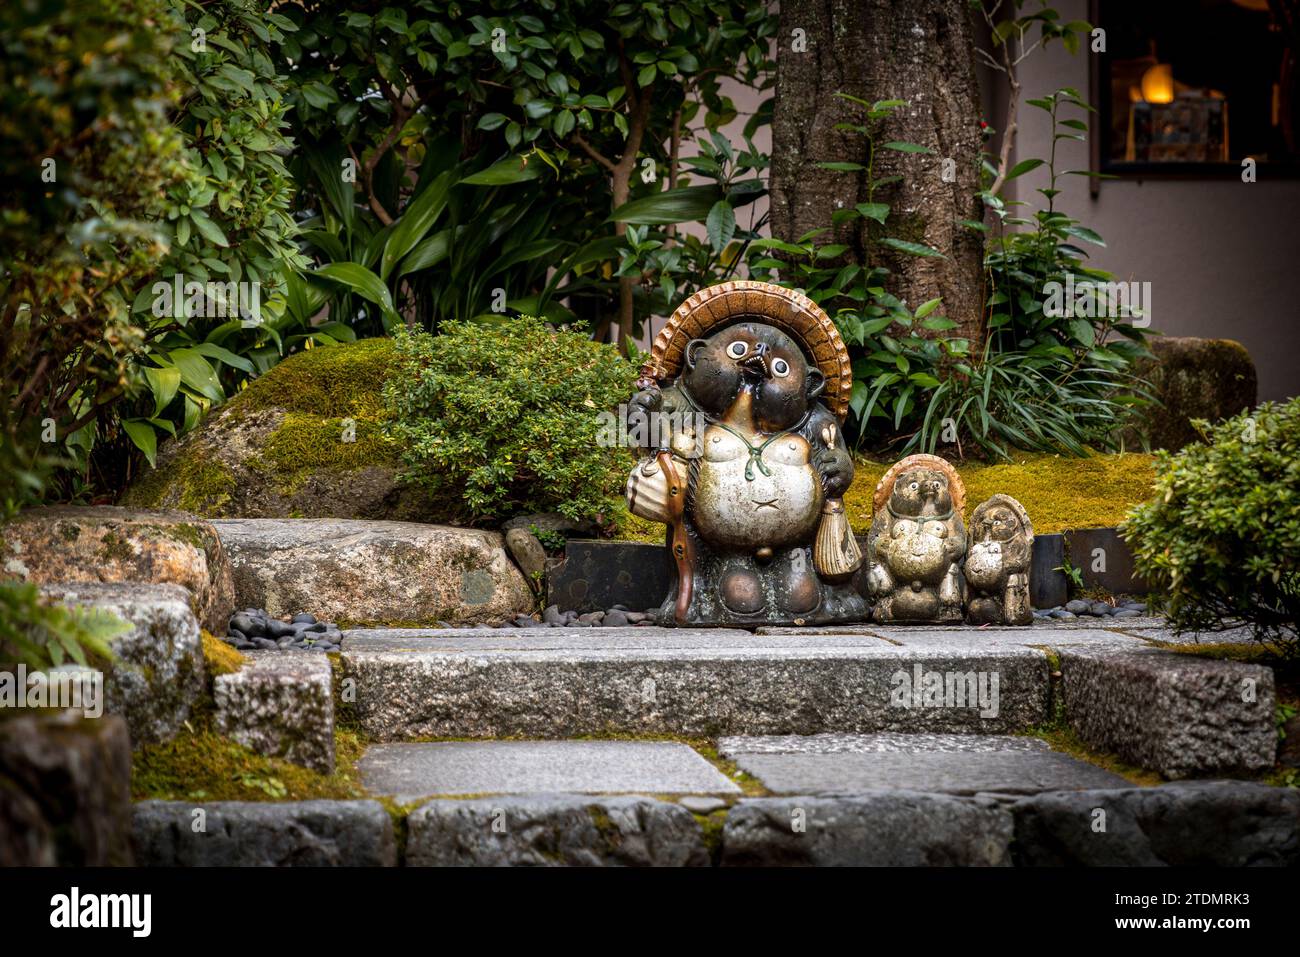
<point>305,440</point>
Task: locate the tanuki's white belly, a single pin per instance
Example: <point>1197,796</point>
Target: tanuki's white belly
<point>747,499</point>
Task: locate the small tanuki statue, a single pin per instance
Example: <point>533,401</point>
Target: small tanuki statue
<point>747,385</point>
<point>997,566</point>
<point>917,542</point>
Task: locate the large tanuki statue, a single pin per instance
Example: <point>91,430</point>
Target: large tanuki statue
<point>746,387</point>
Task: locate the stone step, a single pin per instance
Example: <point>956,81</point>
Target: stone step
<point>411,771</point>
<point>560,683</point>
<point>932,763</point>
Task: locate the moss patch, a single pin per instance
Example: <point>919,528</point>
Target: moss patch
<point>201,765</point>
<point>204,484</point>
<point>1059,492</point>
<point>219,657</point>
<point>1061,738</point>
<point>344,381</point>
<point>303,444</point>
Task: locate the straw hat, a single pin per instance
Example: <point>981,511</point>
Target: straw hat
<point>728,303</point>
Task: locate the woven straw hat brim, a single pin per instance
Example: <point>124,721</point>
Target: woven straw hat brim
<point>885,487</point>
<point>730,302</point>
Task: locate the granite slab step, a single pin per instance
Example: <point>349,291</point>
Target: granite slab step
<point>563,683</point>
<point>411,771</point>
<point>936,764</point>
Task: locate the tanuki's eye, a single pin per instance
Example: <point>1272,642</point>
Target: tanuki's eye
<point>914,486</point>
<point>780,368</point>
<point>737,349</point>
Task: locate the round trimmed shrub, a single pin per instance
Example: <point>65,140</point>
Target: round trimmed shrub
<point>1220,540</point>
<point>504,418</point>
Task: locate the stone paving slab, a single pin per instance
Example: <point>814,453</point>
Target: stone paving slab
<point>967,636</point>
<point>412,771</point>
<point>937,772</point>
<point>568,682</point>
<point>885,741</point>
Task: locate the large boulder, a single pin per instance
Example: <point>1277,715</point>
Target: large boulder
<point>304,440</point>
<point>157,671</point>
<point>67,544</point>
<point>65,790</point>
<point>374,573</point>
<point>1194,378</point>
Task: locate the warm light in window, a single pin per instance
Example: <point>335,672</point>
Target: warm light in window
<point>1158,84</point>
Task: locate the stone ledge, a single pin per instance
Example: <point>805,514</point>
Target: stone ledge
<point>554,830</point>
<point>357,572</point>
<point>281,705</point>
<point>559,683</point>
<point>880,829</point>
<point>157,674</point>
<point>1187,824</point>
<point>264,834</point>
<point>67,544</point>
<point>1172,713</point>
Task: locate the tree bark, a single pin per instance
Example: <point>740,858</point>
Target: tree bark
<point>920,51</point>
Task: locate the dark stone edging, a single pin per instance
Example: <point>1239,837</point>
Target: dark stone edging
<point>1216,823</point>
<point>595,575</point>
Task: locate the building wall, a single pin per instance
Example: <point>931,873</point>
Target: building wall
<point>1222,256</point>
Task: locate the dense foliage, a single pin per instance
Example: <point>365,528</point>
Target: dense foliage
<point>596,98</point>
<point>1220,540</point>
<point>505,418</point>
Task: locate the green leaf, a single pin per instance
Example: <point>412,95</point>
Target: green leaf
<point>877,211</point>
<point>416,221</point>
<point>842,167</point>
<point>361,281</point>
<point>912,249</point>
<point>721,225</point>
<point>210,230</point>
<point>906,147</point>
<point>927,307</point>
<point>144,437</point>
<point>197,373</point>
<point>490,121</point>
<point>512,169</point>
<point>213,351</point>
<point>429,252</point>
<point>686,205</point>
<point>1024,166</point>
<point>163,383</point>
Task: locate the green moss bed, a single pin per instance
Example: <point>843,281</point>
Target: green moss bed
<point>1059,492</point>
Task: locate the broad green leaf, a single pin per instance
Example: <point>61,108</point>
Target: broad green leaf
<point>1024,166</point>
<point>210,230</point>
<point>512,169</point>
<point>144,437</point>
<point>197,373</point>
<point>415,222</point>
<point>877,211</point>
<point>363,282</point>
<point>686,205</point>
<point>721,225</point>
<point>163,383</point>
<point>913,249</point>
<point>902,147</point>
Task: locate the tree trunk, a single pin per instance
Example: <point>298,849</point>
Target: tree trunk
<point>920,51</point>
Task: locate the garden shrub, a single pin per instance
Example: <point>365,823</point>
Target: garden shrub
<point>1220,540</point>
<point>505,418</point>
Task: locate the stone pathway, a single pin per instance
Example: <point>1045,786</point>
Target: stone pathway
<point>840,764</point>
<point>408,772</point>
